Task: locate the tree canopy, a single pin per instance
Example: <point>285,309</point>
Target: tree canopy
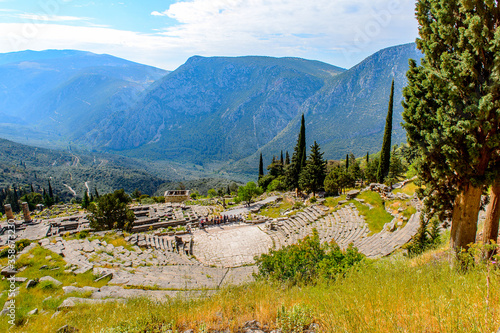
<point>451,109</point>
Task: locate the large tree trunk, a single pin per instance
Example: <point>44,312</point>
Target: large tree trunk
<point>464,217</point>
<point>490,230</point>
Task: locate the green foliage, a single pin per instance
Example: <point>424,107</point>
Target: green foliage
<point>82,234</point>
<point>376,216</point>
<point>307,261</point>
<point>111,211</point>
<point>277,184</point>
<point>261,167</point>
<point>86,200</point>
<point>147,201</point>
<point>385,154</point>
<point>19,246</point>
<point>427,237</point>
<point>337,180</point>
<point>136,194</point>
<point>298,158</point>
<point>397,167</point>
<point>248,192</point>
<point>33,199</point>
<point>371,170</point>
<point>451,108</point>
<point>294,320</point>
<point>313,174</point>
<point>212,193</point>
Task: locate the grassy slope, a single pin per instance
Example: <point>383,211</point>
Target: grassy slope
<point>389,295</point>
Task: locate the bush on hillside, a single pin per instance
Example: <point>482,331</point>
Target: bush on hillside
<point>307,261</point>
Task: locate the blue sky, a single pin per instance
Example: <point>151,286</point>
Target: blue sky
<point>166,33</point>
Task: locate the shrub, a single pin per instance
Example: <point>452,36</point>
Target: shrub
<point>296,319</point>
<point>307,261</point>
<point>82,234</point>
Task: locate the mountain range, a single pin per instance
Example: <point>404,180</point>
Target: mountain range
<point>215,114</point>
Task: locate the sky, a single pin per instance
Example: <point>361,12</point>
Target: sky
<point>165,33</point>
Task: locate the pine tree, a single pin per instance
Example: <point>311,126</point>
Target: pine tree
<point>385,153</point>
<point>261,167</point>
<point>313,174</point>
<point>451,109</point>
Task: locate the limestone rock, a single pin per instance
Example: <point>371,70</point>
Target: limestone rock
<point>51,279</point>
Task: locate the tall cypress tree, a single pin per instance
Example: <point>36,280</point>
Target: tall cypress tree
<point>347,162</point>
<point>298,158</point>
<point>96,193</point>
<point>385,154</point>
<point>281,158</point>
<point>451,110</point>
<point>51,194</point>
<point>367,158</point>
<point>287,158</point>
<point>86,200</point>
<point>302,143</point>
<point>261,167</point>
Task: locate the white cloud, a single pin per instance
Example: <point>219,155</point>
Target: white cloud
<point>341,32</point>
<point>292,27</point>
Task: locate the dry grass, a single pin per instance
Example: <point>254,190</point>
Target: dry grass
<point>390,295</point>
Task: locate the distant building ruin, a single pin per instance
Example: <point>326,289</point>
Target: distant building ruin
<point>177,195</point>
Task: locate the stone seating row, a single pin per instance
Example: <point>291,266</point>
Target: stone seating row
<point>165,243</point>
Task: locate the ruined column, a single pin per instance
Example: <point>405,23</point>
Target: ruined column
<point>26,212</point>
<point>8,212</point>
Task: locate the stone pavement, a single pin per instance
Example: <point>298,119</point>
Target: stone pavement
<point>230,245</point>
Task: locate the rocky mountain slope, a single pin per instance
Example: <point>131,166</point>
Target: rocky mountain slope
<point>65,93</point>
<point>214,114</point>
<point>231,109</point>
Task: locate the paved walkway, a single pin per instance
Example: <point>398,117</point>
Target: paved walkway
<point>255,206</point>
<point>230,245</point>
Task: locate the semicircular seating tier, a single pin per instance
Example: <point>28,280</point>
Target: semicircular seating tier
<point>343,226</point>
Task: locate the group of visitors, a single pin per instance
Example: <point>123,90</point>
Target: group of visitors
<point>219,219</point>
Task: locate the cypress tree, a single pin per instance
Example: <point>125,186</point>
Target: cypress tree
<point>385,154</point>
<point>281,158</point>
<point>51,194</point>
<point>86,200</point>
<point>32,190</point>
<point>287,158</point>
<point>367,158</point>
<point>261,167</point>
<point>302,143</point>
<point>96,193</point>
<point>347,162</point>
<point>451,110</point>
<point>298,158</point>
